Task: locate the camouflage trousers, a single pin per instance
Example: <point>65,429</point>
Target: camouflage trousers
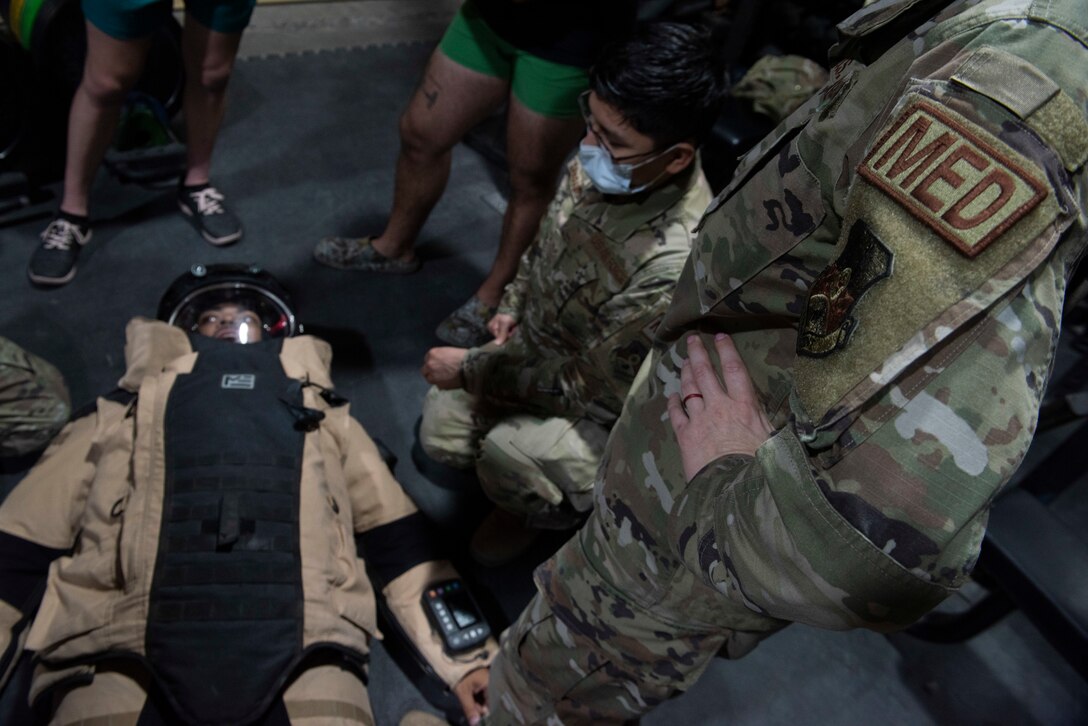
<point>34,403</point>
<point>322,695</point>
<point>585,652</point>
<point>539,468</point>
<point>547,673</point>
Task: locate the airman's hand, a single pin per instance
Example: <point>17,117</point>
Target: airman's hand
<point>502,327</point>
<point>471,691</point>
<point>442,367</point>
<point>710,420</point>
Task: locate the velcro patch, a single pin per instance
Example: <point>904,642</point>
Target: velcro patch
<point>239,381</point>
<point>949,178</point>
<point>827,321</point>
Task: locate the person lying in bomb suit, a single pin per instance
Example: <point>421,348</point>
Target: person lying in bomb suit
<point>199,526</point>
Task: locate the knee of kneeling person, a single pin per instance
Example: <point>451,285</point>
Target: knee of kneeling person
<point>511,479</point>
<point>442,452</point>
<point>494,466</point>
<point>436,442</point>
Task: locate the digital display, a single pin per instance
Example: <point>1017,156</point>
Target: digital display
<point>460,607</point>
<point>454,614</point>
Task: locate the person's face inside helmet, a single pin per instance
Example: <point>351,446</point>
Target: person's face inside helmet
<point>230,322</point>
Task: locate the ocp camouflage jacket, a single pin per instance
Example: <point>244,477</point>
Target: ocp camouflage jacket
<point>587,296</point>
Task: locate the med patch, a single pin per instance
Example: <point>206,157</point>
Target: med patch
<point>950,178</point>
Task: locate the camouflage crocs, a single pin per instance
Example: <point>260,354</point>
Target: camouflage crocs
<point>357,253</point>
<point>466,326</point>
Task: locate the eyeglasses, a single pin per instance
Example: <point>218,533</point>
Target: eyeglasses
<point>595,129</point>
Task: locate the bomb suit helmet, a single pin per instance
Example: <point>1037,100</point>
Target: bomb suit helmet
<point>241,303</point>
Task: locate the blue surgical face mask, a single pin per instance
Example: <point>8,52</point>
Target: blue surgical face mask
<point>611,177</point>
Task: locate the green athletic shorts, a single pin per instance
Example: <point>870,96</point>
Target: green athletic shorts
<point>132,19</point>
<point>550,89</point>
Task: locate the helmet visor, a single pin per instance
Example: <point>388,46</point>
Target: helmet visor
<point>234,311</point>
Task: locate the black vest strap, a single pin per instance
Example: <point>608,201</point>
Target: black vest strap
<point>225,617</point>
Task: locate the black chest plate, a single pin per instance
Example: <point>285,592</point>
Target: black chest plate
<point>225,619</point>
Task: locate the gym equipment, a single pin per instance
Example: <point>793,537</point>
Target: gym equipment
<point>43,45</point>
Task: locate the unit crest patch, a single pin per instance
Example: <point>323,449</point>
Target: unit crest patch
<point>826,324</point>
<point>950,178</point>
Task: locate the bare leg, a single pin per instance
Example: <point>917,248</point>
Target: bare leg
<point>111,69</point>
<point>450,100</point>
<point>209,59</point>
<point>536,147</point>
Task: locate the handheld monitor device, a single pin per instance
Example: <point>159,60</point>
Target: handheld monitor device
<point>455,614</point>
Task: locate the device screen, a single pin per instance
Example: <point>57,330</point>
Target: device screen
<point>461,608</point>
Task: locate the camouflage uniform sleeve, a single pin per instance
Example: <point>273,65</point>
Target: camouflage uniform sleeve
<point>878,533</point>
<point>513,296</point>
<point>33,401</point>
<point>594,380</point>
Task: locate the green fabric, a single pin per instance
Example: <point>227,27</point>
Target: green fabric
<point>1060,122</point>
<point>23,19</point>
<point>550,89</point>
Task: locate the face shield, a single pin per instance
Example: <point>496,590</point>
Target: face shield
<point>228,302</point>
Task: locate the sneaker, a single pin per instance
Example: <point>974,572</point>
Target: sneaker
<point>502,537</point>
<point>203,205</point>
<point>358,253</point>
<point>466,327</point>
<point>54,262</point>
